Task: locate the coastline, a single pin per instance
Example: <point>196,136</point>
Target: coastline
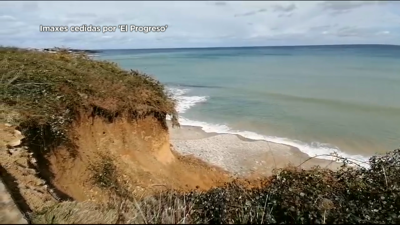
<point>239,155</point>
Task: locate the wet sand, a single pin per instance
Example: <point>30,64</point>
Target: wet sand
<point>239,155</point>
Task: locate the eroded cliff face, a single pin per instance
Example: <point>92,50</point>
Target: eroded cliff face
<point>137,151</point>
<point>92,131</point>
<point>123,158</point>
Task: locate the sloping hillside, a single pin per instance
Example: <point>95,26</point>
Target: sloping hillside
<point>90,130</point>
<point>83,141</point>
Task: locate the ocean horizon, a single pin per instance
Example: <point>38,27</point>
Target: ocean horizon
<point>263,46</point>
<point>320,98</point>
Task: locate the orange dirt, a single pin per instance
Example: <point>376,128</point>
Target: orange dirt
<point>28,191</point>
<point>141,153</point>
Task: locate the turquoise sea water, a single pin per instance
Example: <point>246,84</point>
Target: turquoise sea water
<point>317,98</point>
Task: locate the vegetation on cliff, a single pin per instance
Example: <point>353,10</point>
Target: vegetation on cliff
<point>349,195</point>
<point>52,91</point>
<point>55,89</point>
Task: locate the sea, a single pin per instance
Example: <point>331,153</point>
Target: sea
<point>342,99</point>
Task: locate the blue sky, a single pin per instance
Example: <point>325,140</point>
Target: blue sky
<point>202,24</point>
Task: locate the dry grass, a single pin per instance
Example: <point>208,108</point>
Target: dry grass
<point>56,89</point>
<point>293,195</point>
<point>49,92</point>
<point>65,104</point>
<point>9,115</point>
<point>76,213</point>
<point>105,175</point>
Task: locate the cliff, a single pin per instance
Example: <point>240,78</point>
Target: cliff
<point>89,131</point>
<point>83,141</point>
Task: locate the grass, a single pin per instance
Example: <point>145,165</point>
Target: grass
<point>56,89</point>
<point>349,195</point>
<point>105,176</point>
<point>51,91</point>
<point>9,115</point>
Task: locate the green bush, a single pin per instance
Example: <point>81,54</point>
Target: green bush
<point>57,88</point>
<point>349,195</point>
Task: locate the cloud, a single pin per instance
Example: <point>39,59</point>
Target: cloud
<point>32,6</point>
<point>348,31</point>
<point>7,18</point>
<point>338,7</point>
<point>384,32</point>
<point>282,8</point>
<point>201,24</point>
<point>250,13</point>
<point>285,14</point>
<point>220,3</point>
<point>322,27</point>
<point>341,6</point>
<point>353,31</point>
<point>246,14</point>
<point>8,32</point>
<point>82,15</point>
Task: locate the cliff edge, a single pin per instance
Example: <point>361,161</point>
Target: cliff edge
<point>83,141</point>
<point>87,131</point>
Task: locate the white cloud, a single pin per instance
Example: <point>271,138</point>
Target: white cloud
<point>6,18</point>
<point>201,24</point>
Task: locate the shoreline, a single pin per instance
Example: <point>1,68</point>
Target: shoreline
<point>320,150</point>
<point>239,155</point>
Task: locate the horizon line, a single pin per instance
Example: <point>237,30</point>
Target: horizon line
<point>262,46</point>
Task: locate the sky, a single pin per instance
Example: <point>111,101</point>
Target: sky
<point>200,23</point>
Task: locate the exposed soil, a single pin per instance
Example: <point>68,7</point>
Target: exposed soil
<point>92,131</point>
<point>23,190</point>
<point>140,151</point>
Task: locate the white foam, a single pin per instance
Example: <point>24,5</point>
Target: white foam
<point>176,92</point>
<point>185,102</point>
<point>314,149</point>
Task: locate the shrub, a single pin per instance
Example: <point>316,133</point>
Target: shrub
<point>349,195</point>
<point>54,90</point>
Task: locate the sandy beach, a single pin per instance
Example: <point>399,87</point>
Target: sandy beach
<point>239,155</point>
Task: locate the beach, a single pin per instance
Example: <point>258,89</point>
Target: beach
<point>320,100</point>
<point>238,155</point>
